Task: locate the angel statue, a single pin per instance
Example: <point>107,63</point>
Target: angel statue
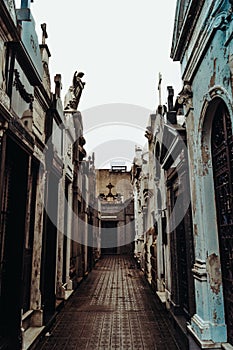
<point>72,98</point>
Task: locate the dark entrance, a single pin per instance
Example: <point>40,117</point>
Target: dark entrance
<point>222,157</point>
<point>13,213</point>
<point>29,237</point>
<point>49,249</point>
<point>181,240</point>
<point>109,240</point>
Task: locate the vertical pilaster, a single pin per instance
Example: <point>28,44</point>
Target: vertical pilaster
<point>69,234</point>
<point>37,318</point>
<point>60,292</point>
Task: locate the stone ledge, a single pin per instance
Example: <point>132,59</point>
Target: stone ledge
<point>204,344</point>
<point>227,346</point>
<point>162,296</point>
<point>30,335</point>
<point>68,293</point>
<point>26,320</point>
<point>27,314</point>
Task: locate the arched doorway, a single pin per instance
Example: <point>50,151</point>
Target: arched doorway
<point>222,159</point>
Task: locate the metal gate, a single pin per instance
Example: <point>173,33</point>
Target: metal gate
<point>222,157</point>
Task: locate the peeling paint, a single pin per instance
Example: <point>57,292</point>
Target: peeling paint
<point>195,229</point>
<point>230,64</point>
<point>205,154</point>
<point>205,159</point>
<point>213,77</point>
<point>213,270</point>
<point>215,315</point>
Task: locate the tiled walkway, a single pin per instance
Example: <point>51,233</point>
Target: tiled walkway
<point>114,308</point>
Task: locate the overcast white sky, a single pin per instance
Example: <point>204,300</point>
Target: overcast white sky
<point>121,46</point>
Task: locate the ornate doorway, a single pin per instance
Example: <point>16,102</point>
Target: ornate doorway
<point>222,158</point>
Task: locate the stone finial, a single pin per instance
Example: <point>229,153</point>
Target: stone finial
<point>58,85</point>
<point>44,33</point>
<point>170,98</point>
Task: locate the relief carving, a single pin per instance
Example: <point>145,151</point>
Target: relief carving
<point>5,100</point>
<point>27,97</point>
<point>149,134</point>
<point>185,96</point>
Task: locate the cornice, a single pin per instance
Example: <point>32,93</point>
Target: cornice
<point>186,31</point>
<point>217,20</point>
<point>7,24</point>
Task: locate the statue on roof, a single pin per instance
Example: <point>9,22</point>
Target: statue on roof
<point>78,84</point>
<point>72,98</point>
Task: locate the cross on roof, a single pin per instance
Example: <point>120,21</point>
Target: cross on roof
<point>159,88</point>
<point>110,186</point>
<point>44,33</point>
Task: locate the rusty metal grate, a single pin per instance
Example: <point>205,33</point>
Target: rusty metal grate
<point>222,157</point>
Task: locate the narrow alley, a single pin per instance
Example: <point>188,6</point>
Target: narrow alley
<point>114,308</point>
<point>116,187</point>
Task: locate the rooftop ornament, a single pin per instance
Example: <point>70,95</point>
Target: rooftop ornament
<point>72,98</point>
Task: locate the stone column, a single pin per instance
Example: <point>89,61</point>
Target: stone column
<point>37,317</point>
<point>3,128</point>
<point>160,258</point>
<point>69,235</point>
<point>120,235</point>
<point>60,291</point>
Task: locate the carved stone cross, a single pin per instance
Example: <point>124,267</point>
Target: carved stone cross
<point>110,196</point>
<point>44,33</point>
<point>110,186</point>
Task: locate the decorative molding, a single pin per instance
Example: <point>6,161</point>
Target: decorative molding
<point>183,34</point>
<point>17,128</point>
<point>199,271</point>
<point>3,128</point>
<point>46,75</point>
<point>27,97</point>
<point>217,18</point>
<point>4,98</point>
<point>216,90</point>
<point>149,134</point>
<point>220,21</point>
<point>185,96</point>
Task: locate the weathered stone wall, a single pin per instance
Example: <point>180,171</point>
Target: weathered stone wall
<point>206,64</point>
<point>120,181</point>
